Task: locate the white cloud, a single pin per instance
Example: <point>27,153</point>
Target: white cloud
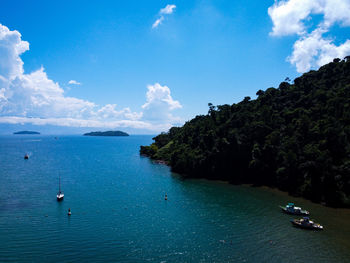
<point>168,10</point>
<point>313,49</point>
<point>34,98</point>
<point>158,22</point>
<point>158,94</point>
<point>159,104</point>
<point>74,82</point>
<point>10,49</point>
<point>290,17</point>
<point>109,111</point>
<point>36,95</point>
<point>2,94</point>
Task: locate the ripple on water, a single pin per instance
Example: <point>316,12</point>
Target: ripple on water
<point>119,213</point>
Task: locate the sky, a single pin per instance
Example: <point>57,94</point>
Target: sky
<point>145,66</point>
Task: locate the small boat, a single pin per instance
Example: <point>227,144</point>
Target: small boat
<point>166,197</point>
<point>69,212</point>
<point>294,210</point>
<point>60,194</point>
<point>306,223</point>
<point>26,157</point>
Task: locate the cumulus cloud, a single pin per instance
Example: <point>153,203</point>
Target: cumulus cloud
<point>291,17</point>
<point>10,49</point>
<point>34,98</point>
<point>36,95</point>
<point>168,10</point>
<point>74,82</point>
<point>158,94</point>
<point>312,49</point>
<point>159,104</point>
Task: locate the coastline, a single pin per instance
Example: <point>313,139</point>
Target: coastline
<point>266,187</point>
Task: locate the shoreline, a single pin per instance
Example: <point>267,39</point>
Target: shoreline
<point>266,187</point>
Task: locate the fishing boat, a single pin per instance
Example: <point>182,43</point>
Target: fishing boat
<point>294,210</point>
<point>60,194</point>
<point>26,157</point>
<point>306,223</point>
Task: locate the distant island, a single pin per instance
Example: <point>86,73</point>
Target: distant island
<point>26,132</point>
<point>106,133</point>
<point>295,137</point>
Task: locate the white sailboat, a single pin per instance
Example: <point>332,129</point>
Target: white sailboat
<point>60,194</point>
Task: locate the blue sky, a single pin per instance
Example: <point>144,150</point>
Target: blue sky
<point>155,77</point>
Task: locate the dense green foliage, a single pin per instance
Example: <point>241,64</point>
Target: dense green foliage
<point>107,133</point>
<point>295,137</point>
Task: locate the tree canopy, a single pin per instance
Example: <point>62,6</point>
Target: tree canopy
<point>294,137</point>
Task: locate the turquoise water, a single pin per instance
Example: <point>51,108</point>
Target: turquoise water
<point>119,213</point>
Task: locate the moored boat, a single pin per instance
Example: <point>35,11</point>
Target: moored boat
<point>60,194</point>
<point>26,157</point>
<point>290,208</point>
<point>306,223</point>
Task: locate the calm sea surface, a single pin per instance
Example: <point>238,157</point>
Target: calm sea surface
<point>119,213</point>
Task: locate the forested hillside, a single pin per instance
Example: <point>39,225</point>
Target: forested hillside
<point>295,137</point>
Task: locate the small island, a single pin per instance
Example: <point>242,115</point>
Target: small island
<point>26,132</point>
<point>106,133</point>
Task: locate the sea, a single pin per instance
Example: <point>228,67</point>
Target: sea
<point>119,211</point>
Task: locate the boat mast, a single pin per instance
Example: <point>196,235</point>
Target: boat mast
<point>59,184</point>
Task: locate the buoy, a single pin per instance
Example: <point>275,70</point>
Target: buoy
<point>69,212</point>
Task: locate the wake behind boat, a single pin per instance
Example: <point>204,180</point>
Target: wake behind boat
<point>60,194</point>
<point>294,210</point>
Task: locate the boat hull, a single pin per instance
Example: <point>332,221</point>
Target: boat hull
<point>301,213</point>
<point>297,223</point>
<point>60,197</point>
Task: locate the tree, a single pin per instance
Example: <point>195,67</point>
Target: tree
<point>294,137</point>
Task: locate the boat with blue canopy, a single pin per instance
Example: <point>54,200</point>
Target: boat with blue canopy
<point>290,208</point>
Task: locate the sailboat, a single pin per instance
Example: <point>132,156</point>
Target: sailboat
<point>60,194</point>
